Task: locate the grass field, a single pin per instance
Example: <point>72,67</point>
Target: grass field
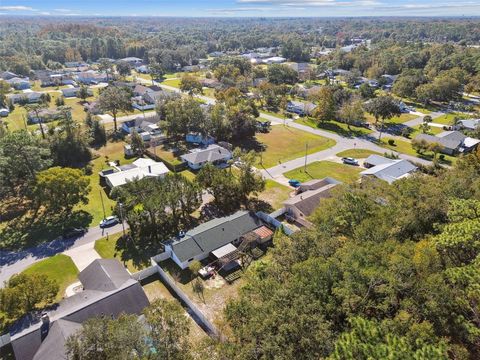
<point>321,169</point>
<point>284,143</point>
<point>357,153</point>
<point>448,119</point>
<point>59,268</point>
<point>335,127</point>
<point>172,82</point>
<point>275,194</point>
<point>113,151</point>
<point>395,120</point>
<point>106,248</point>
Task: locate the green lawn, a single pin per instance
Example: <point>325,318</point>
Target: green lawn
<point>321,169</point>
<point>113,151</point>
<point>395,120</point>
<point>275,194</point>
<point>405,147</point>
<point>433,131</point>
<point>357,153</point>
<point>59,268</point>
<point>335,127</point>
<point>172,82</point>
<point>283,143</point>
<point>107,249</point>
<point>448,119</point>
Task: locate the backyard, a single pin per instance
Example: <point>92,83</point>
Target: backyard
<point>275,194</point>
<point>321,169</point>
<point>59,268</point>
<point>283,143</point>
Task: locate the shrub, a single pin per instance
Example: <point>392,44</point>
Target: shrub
<point>391,142</point>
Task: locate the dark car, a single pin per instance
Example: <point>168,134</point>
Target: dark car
<point>73,233</point>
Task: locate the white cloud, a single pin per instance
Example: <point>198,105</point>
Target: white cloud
<point>16,8</point>
<point>63,10</point>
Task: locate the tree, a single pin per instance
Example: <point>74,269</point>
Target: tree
<point>295,50</point>
<point>156,71</point>
<point>98,134</point>
<point>4,90</point>
<point>106,66</point>
<point>60,101</point>
<point>137,143</point>
<point>366,91</point>
<point>183,115</point>
<point>352,112</point>
<point>168,330</point>
<point>435,147</point>
<point>59,190</point>
<point>45,99</point>
<point>22,156</point>
<point>325,110</point>
<point>108,339</point>
<point>124,68</point>
<point>368,340</point>
<point>37,109</point>
<point>114,100</point>
<point>190,84</point>
<point>281,74</point>
<point>420,146</point>
<point>83,93</point>
<point>24,293</point>
<point>383,107</point>
<point>249,182</point>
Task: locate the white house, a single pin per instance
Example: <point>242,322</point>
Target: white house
<point>214,154</point>
<point>386,169</point>
<point>137,170</point>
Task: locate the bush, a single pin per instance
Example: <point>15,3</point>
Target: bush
<point>391,142</point>
<point>441,157</point>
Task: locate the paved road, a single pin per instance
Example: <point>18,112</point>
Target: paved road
<point>15,262</point>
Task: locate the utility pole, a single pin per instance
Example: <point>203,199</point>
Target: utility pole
<point>306,151</point>
<point>120,205</point>
<point>103,205</point>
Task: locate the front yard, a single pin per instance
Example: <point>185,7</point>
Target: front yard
<point>321,169</point>
<point>59,268</point>
<point>284,143</point>
<point>107,248</point>
<point>335,127</point>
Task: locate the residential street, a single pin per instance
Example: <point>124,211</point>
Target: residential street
<point>15,262</point>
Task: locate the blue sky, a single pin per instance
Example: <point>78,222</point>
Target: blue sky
<point>263,8</point>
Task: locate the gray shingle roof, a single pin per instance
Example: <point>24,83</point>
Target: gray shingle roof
<point>215,234</point>
<point>103,275</point>
<point>375,160</point>
<point>391,171</point>
<point>210,154</point>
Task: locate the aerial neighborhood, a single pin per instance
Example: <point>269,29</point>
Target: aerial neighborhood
<point>250,188</point>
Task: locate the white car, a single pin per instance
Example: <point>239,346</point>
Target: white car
<point>109,221</point>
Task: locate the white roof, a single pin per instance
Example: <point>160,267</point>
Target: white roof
<point>390,172</point>
<point>224,250</point>
<point>469,142</point>
<point>143,168</point>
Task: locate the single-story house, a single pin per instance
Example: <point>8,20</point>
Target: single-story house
<point>141,90</point>
<point>142,69</point>
<point>452,142</point>
<point>108,290</point>
<point>142,125</point>
<point>213,154</point>
<point>275,60</point>
<point>91,77</point>
<point>467,124</point>
<point>27,97</point>
<point>19,83</point>
<point>137,170</point>
<point>300,67</point>
<point>197,138</point>
<point>133,61</point>
<point>73,92</point>
<point>4,112</point>
<point>305,92</point>
<point>44,115</point>
<point>300,108</point>
<point>211,83</point>
<point>216,235</point>
<point>92,107</point>
<point>374,160</point>
<point>7,75</point>
<point>308,197</point>
<point>388,170</point>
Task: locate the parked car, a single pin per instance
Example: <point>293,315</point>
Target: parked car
<point>109,221</point>
<point>73,233</point>
<point>350,161</point>
<point>295,183</point>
